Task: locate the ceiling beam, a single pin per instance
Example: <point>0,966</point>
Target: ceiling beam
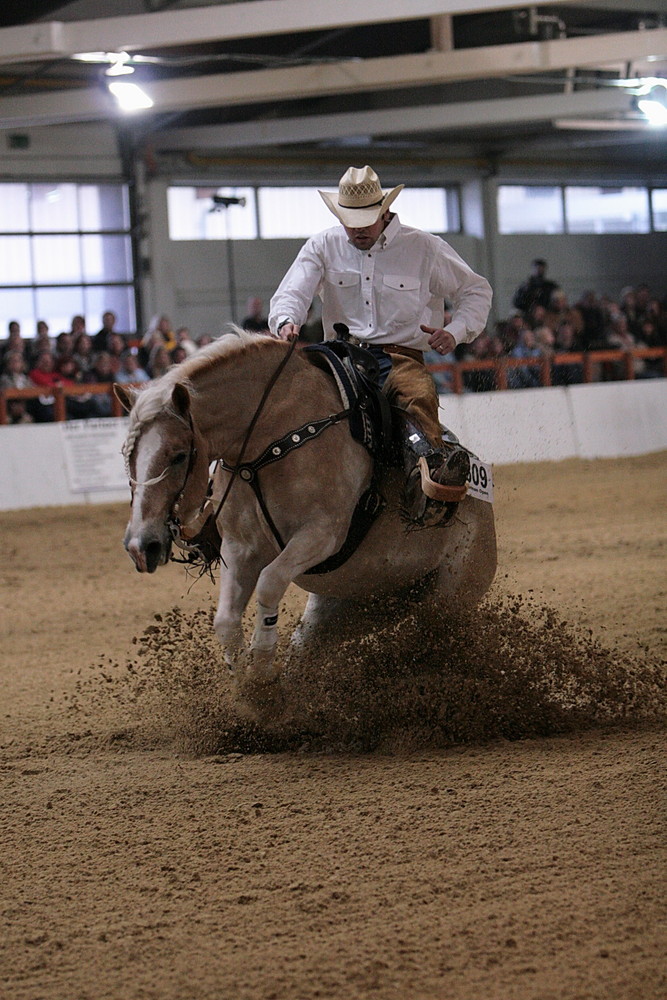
<point>346,77</point>
<point>393,121</point>
<point>46,40</point>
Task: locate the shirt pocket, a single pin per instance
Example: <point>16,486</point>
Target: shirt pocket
<point>342,279</point>
<point>401,298</point>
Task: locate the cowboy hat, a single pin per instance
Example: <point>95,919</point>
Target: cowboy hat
<point>360,199</point>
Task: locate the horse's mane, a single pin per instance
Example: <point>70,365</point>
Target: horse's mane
<point>155,397</point>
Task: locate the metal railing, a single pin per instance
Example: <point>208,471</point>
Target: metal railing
<point>589,363</point>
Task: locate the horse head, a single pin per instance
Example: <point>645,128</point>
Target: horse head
<point>167,465</point>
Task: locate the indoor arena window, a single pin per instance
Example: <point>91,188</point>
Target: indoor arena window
<point>65,249</point>
<point>659,209</point>
<point>578,209</point>
<point>606,210</point>
<point>530,209</point>
<point>211,213</point>
<point>290,212</point>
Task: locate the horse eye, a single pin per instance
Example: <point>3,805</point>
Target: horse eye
<point>179,458</point>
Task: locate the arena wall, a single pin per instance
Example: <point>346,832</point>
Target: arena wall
<point>80,462</point>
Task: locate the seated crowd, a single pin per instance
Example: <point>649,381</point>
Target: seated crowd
<point>546,331</point>
<point>76,357</point>
<point>534,330</point>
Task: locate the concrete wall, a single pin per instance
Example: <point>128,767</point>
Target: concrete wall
<point>51,464</point>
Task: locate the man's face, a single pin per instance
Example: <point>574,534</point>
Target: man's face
<point>364,237</point>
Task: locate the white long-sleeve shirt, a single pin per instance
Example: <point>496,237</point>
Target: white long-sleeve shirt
<point>385,293</point>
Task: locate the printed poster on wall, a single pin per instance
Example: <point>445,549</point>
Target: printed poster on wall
<point>92,454</point>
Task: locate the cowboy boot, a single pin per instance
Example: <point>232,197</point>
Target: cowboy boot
<point>436,478</point>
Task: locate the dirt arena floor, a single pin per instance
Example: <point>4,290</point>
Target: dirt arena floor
<point>476,815</point>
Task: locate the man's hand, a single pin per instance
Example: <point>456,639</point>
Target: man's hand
<point>289,331</point>
<point>439,340</point>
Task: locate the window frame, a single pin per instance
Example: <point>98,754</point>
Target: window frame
<point>34,288</point>
<point>567,230</point>
<point>451,193</point>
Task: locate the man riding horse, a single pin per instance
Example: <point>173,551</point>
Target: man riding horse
<point>388,284</point>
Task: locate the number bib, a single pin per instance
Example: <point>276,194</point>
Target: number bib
<point>481,480</point>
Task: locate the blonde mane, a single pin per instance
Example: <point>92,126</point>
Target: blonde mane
<point>155,398</point>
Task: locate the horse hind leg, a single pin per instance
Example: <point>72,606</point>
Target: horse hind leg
<point>317,622</point>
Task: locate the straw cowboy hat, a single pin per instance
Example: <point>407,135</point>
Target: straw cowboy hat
<point>360,200</point>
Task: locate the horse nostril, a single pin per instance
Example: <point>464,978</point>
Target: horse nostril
<point>153,553</point>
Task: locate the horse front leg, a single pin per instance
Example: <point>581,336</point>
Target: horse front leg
<point>237,582</point>
<point>299,554</point>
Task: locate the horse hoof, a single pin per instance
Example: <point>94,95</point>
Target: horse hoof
<point>260,667</point>
<point>236,662</point>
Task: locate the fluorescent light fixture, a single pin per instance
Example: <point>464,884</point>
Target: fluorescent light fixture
<point>119,65</point>
<point>91,57</point>
<point>130,96</point>
<point>653,102</point>
<point>655,111</point>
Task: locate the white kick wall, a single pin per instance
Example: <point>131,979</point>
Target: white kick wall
<point>78,463</point>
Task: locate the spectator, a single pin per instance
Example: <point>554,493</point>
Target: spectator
<point>130,370</point>
<point>536,316</point>
<point>510,331</point>
<point>159,333</point>
<point>116,349</point>
<point>592,337</point>
<point>483,380</point>
<point>205,339</point>
<point>545,341</point>
<point>101,373</point>
<point>569,373</point>
<point>42,341</point>
<point>159,361</point>
<point>178,355</point>
<point>64,345</point>
<point>536,290</point>
<point>77,407</point>
<point>527,377</point>
<point>77,326</point>
<point>649,336</point>
<point>82,351</point>
<point>15,342</point>
<point>14,377</point>
<point>44,375</point>
<point>255,320</point>
<point>620,338</point>
<point>101,339</point>
<point>184,340</point>
<point>657,314</point>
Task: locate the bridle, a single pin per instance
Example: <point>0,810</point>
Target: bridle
<point>368,506</point>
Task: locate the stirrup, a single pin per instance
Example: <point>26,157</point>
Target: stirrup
<point>439,491</point>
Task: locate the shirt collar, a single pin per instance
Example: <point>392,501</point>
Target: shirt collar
<point>391,232</point>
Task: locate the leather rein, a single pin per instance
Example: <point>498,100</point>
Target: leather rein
<point>247,471</point>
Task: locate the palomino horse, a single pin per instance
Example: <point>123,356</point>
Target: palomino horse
<point>249,395</point>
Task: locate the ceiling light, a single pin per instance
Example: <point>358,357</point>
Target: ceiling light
<point>130,96</point>
<point>653,103</point>
<point>92,57</point>
<point>119,65</point>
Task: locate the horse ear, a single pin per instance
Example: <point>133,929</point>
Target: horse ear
<point>125,396</point>
<point>180,397</point>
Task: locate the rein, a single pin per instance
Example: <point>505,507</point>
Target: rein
<point>247,471</point>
